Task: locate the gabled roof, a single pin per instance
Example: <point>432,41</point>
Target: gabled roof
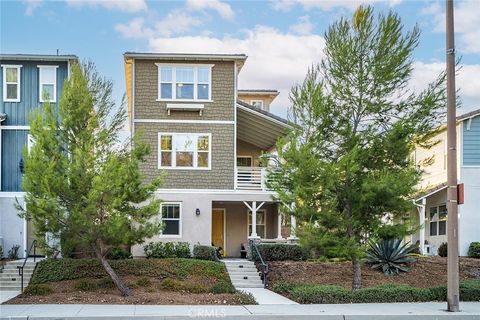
<point>430,191</point>
<point>259,127</point>
<point>185,56</point>
<point>267,92</point>
<point>38,57</point>
<point>468,115</point>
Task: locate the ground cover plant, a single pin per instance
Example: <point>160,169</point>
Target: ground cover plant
<point>152,281</point>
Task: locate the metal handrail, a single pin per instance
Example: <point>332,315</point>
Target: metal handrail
<point>20,268</point>
<point>253,245</point>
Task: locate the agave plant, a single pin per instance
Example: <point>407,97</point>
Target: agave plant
<point>390,256</point>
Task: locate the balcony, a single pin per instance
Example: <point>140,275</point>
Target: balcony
<point>251,178</point>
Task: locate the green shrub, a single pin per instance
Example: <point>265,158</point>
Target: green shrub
<point>245,298</point>
<point>474,250</point>
<point>37,290</point>
<point>205,252</point>
<point>279,252</point>
<point>106,283</point>
<point>161,250</point>
<point>443,249</point>
<point>223,286</point>
<point>86,285</point>
<point>387,293</point>
<point>13,253</point>
<point>389,255</point>
<point>144,282</point>
<point>176,285</point>
<point>118,253</point>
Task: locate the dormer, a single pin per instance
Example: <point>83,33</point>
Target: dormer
<point>260,99</point>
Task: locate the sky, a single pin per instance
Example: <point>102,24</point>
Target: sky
<point>282,38</point>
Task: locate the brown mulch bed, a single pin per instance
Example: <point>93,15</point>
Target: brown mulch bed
<point>426,272</point>
<point>64,292</point>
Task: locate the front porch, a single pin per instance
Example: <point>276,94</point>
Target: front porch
<point>235,222</point>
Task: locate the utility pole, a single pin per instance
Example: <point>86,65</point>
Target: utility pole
<point>452,205</point>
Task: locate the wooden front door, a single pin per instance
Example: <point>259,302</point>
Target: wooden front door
<point>217,228</point>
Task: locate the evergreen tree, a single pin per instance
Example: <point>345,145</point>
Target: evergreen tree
<point>82,184</point>
<point>347,164</point>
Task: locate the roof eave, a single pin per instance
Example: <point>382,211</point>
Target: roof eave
<point>35,57</point>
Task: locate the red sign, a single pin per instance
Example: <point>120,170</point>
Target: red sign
<point>460,194</point>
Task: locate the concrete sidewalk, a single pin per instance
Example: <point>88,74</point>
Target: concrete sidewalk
<point>393,311</point>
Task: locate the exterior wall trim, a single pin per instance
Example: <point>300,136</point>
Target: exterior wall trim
<point>12,194</point>
<point>216,191</point>
<point>14,127</point>
<point>183,121</point>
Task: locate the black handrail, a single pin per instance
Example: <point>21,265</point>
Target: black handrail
<point>20,268</point>
<point>253,245</point>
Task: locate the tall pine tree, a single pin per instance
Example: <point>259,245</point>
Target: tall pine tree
<point>347,164</point>
<point>81,184</point>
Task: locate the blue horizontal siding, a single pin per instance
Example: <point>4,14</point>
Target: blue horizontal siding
<point>471,142</point>
<point>18,113</point>
<point>13,142</point>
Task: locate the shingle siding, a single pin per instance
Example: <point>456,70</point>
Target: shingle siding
<point>146,105</point>
<point>221,175</point>
<point>471,142</point>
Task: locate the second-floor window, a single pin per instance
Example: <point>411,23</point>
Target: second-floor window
<point>11,83</point>
<point>184,151</point>
<point>184,82</point>
<point>438,220</point>
<point>257,103</point>
<point>47,83</point>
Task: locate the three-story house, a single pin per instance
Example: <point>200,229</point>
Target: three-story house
<point>206,143</point>
<point>26,81</point>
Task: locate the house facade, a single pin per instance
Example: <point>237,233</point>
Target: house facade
<point>27,81</point>
<point>431,203</point>
<point>258,98</point>
<point>206,144</point>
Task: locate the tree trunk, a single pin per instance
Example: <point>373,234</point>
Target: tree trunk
<point>357,274</point>
<point>122,287</point>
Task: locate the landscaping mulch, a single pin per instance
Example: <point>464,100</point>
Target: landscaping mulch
<point>64,292</point>
<point>426,272</point>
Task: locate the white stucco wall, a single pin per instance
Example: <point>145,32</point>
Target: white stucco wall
<point>469,212</point>
<point>196,229</point>
<point>12,227</point>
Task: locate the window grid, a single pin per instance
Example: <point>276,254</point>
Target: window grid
<point>261,223</point>
<point>8,82</point>
<point>171,217</point>
<point>174,83</point>
<point>199,150</point>
<point>438,220</point>
<point>45,81</point>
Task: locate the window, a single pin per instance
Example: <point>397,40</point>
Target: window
<point>257,103</point>
<point>261,228</point>
<point>184,150</point>
<point>438,220</point>
<point>48,83</point>
<point>171,218</point>
<point>184,82</point>
<point>30,142</point>
<point>244,161</point>
<point>11,83</point>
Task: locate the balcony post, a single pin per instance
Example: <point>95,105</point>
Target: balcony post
<point>263,175</point>
<point>254,220</point>
<point>293,227</point>
<point>422,226</point>
<point>279,226</point>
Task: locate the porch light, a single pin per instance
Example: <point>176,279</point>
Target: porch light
<point>21,166</point>
<point>197,212</point>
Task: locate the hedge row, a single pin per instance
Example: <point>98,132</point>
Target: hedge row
<point>279,252</point>
<point>52,270</point>
<point>315,294</point>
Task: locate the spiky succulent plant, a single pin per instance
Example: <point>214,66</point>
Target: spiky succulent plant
<point>389,255</point>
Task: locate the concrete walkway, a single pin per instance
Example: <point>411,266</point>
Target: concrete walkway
<point>265,296</point>
<point>7,295</point>
<point>392,311</point>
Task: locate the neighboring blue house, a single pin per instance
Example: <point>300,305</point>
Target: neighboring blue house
<point>24,81</point>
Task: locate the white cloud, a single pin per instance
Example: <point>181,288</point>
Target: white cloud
<point>467,81</point>
<point>275,60</point>
<point>304,26</point>
<point>31,6</point>
<point>134,29</point>
<point>223,9</point>
<point>121,5</point>
<point>327,5</point>
<point>467,22</point>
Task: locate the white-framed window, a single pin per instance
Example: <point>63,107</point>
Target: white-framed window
<point>257,103</point>
<point>47,89</point>
<point>11,83</point>
<point>245,161</point>
<point>261,223</point>
<point>171,217</point>
<point>177,82</point>
<point>438,220</point>
<point>184,151</point>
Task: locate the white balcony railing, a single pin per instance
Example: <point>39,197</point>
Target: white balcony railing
<point>251,178</point>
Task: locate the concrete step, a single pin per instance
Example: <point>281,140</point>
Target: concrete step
<point>250,273</point>
<point>236,276</point>
<point>11,278</point>
<point>230,264</point>
<point>13,269</point>
<point>15,264</point>
<point>248,285</point>
<point>10,274</point>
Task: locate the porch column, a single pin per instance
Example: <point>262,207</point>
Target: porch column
<point>293,227</point>
<point>421,212</point>
<point>254,208</point>
<point>279,226</point>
